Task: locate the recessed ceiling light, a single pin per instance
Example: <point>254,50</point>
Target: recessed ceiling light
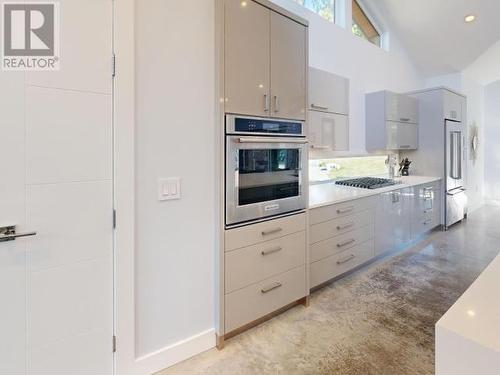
<point>469,18</point>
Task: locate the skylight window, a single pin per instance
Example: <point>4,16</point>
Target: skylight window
<point>324,8</point>
<point>362,26</point>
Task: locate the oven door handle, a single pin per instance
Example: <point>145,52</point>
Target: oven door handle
<point>270,140</point>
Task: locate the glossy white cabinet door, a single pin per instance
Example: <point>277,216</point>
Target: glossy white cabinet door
<point>328,131</point>
<point>288,68</point>
<point>401,136</point>
<point>401,108</point>
<point>452,104</point>
<point>392,220</point>
<point>56,288</point>
<point>328,92</point>
<point>247,58</point>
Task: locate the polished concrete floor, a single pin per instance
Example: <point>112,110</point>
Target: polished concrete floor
<point>378,320</point>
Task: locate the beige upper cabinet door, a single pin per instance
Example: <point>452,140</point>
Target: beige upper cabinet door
<point>288,68</point>
<point>247,58</point>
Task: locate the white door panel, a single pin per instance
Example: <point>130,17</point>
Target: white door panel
<point>56,288</point>
<point>88,354</point>
<point>85,39</point>
<point>68,136</point>
<point>13,307</point>
<point>73,222</point>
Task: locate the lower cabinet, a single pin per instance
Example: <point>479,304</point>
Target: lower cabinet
<point>264,269</point>
<point>392,220</point>
<point>346,235</point>
<point>426,208</point>
<point>340,238</point>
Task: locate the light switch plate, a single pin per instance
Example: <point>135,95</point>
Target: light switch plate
<point>169,188</point>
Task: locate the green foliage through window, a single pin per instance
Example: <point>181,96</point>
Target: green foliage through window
<point>325,8</point>
<point>331,169</point>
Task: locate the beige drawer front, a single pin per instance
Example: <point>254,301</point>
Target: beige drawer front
<point>332,228</point>
<point>322,214</point>
<point>335,265</point>
<point>251,264</point>
<point>255,301</point>
<point>340,243</point>
<point>265,231</point>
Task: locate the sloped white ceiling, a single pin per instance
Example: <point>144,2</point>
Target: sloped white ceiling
<point>434,32</point>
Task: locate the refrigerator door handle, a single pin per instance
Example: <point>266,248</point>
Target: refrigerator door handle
<point>456,191</point>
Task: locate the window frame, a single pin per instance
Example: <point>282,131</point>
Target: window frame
<point>368,19</point>
<point>302,3</point>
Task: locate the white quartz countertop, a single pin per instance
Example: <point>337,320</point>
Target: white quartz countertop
<point>476,314</point>
<point>324,194</point>
<point>468,335</point>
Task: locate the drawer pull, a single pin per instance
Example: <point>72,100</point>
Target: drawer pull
<point>270,251</point>
<point>348,242</point>
<point>319,107</point>
<point>427,222</point>
<point>345,226</point>
<point>345,210</point>
<point>427,211</point>
<point>271,231</point>
<point>345,260</point>
<point>404,119</point>
<point>429,188</point>
<point>267,289</point>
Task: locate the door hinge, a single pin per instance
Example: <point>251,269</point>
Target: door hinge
<point>114,219</point>
<point>113,65</point>
<point>114,344</point>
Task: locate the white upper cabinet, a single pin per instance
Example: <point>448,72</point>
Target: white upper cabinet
<point>328,92</point>
<point>391,121</point>
<point>452,104</point>
<point>288,68</point>
<point>265,60</point>
<point>328,131</point>
<point>247,58</point>
<point>400,108</point>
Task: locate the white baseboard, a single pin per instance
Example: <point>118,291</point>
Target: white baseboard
<point>178,352</point>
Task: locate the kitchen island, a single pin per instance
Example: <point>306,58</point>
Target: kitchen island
<point>468,335</point>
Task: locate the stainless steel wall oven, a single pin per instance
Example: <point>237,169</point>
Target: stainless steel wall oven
<point>266,168</point>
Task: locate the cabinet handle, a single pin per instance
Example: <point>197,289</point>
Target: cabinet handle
<point>266,103</point>
<point>319,107</point>
<point>271,231</point>
<point>272,250</point>
<point>427,211</point>
<point>345,226</point>
<point>320,147</point>
<point>345,260</point>
<point>405,119</point>
<point>8,233</point>
<point>267,289</point>
<point>276,104</point>
<point>404,146</point>
<point>345,210</point>
<point>428,188</point>
<point>345,243</point>
<point>427,221</point>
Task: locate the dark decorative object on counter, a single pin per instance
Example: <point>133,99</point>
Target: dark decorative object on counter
<point>404,167</point>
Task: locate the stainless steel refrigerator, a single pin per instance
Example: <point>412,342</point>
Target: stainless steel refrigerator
<point>442,148</point>
<point>455,162</point>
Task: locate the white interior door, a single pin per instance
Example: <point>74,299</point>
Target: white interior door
<point>56,135</point>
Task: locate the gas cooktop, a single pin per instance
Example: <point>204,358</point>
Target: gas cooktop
<point>367,182</point>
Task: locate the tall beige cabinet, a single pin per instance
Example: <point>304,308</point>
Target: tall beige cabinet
<point>262,70</point>
<point>264,62</point>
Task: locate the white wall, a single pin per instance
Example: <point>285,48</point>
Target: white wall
<point>174,137</point>
<point>368,67</point>
<point>491,141</point>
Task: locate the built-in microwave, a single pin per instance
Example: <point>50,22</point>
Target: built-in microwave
<point>266,168</point>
